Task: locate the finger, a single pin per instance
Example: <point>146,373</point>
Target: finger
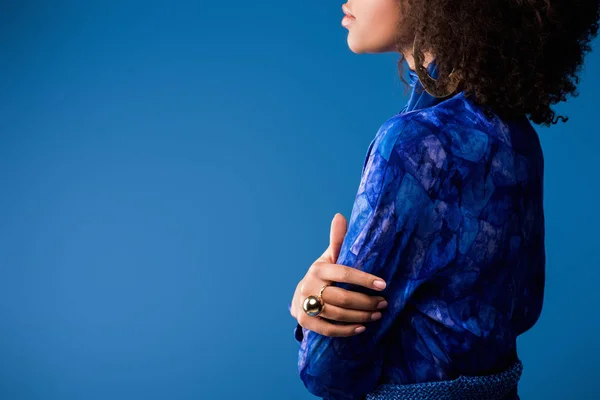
<point>336,313</point>
<point>344,273</point>
<point>323,327</point>
<point>336,236</point>
<point>352,300</point>
<point>337,232</point>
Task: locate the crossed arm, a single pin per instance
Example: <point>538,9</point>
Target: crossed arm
<point>392,235</point>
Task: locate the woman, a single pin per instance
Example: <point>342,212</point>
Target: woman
<point>449,210</point>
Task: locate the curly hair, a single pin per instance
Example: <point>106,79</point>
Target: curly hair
<point>515,57</point>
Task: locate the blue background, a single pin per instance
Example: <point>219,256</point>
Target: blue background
<point>170,170</point>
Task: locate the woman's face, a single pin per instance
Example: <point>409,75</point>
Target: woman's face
<point>374,26</point>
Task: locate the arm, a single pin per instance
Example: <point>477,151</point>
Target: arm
<point>395,198</point>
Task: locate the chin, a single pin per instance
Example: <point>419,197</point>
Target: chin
<point>356,47</point>
<point>361,48</point>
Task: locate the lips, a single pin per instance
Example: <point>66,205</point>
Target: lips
<point>346,11</point>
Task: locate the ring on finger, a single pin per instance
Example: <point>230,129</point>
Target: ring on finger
<point>314,305</point>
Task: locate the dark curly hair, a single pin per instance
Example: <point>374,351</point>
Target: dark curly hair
<point>515,57</point>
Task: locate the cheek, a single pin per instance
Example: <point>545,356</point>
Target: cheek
<point>379,22</point>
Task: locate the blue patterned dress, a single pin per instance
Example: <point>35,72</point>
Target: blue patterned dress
<point>449,212</point>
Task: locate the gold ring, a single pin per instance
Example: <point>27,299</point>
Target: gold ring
<point>314,305</point>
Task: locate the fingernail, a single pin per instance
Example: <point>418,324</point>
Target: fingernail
<point>379,284</point>
<point>359,329</point>
<point>382,304</point>
<point>376,315</point>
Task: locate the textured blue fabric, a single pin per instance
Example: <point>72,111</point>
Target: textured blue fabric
<point>498,386</point>
<point>449,212</point>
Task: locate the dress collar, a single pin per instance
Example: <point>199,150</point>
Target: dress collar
<point>419,98</point>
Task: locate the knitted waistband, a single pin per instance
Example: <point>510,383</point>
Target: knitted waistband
<point>488,387</point>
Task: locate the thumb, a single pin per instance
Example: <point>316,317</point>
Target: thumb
<point>336,236</point>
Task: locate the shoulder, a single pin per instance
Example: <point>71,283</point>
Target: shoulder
<point>399,130</point>
<point>455,127</point>
<point>407,155</point>
<point>407,138</point>
<point>427,143</point>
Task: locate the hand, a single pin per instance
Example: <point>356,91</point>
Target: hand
<point>340,304</point>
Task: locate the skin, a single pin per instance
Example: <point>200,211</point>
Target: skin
<point>378,26</point>
<point>340,304</point>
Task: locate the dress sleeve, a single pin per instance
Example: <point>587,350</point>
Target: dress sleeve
<point>391,234</point>
<point>298,332</point>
